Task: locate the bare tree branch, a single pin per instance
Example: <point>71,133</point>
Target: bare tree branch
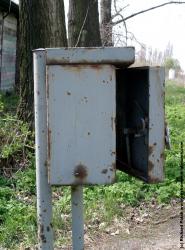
<point>146,10</point>
<point>81,30</point>
<point>130,36</point>
<point>133,37</point>
<point>118,13</point>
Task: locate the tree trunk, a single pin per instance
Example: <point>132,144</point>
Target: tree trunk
<point>106,26</point>
<point>83,24</point>
<point>17,84</point>
<point>42,24</point>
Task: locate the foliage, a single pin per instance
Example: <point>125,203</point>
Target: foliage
<point>102,203</point>
<point>171,63</point>
<point>16,140</point>
<point>16,153</point>
<point>17,210</point>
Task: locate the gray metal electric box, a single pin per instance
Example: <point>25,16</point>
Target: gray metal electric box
<point>102,115</point>
<point>81,98</point>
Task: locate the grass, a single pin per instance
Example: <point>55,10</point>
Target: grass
<point>102,203</point>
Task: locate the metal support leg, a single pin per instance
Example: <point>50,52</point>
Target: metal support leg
<point>77,217</point>
<point>44,202</point>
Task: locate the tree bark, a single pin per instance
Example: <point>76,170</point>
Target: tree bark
<point>83,24</point>
<point>17,85</point>
<point>106,22</point>
<point>42,24</point>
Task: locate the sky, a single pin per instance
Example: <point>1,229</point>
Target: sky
<point>158,27</point>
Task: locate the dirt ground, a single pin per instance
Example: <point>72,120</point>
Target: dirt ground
<point>147,229</point>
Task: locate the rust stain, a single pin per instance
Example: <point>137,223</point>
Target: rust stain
<point>80,66</point>
<point>80,171</point>
<point>41,229</point>
<point>92,48</point>
<point>113,179</point>
<point>150,166</point>
<point>47,85</point>
<point>150,149</point>
<point>67,60</point>
<point>113,153</point>
<point>162,155</point>
<point>113,122</point>
<point>152,179</point>
<point>53,61</point>
<point>49,144</point>
<point>96,66</point>
<point>74,67</point>
<point>42,236</point>
<point>104,171</point>
<point>113,165</point>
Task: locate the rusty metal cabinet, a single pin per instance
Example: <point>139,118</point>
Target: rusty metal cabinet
<point>81,107</point>
<point>102,115</point>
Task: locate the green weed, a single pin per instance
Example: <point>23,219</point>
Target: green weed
<point>16,140</point>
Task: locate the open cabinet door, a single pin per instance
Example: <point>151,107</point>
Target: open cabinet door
<point>140,122</point>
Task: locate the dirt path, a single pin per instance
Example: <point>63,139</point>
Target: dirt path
<point>154,228</point>
<point>147,227</point>
<point>161,237</point>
